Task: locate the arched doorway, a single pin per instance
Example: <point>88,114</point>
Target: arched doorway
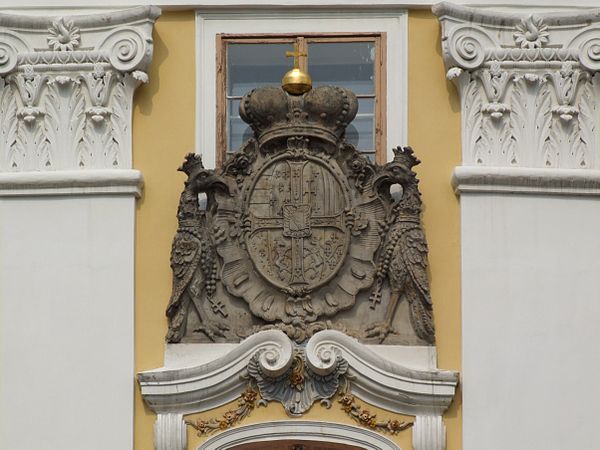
<point>294,445</point>
<point>298,435</point>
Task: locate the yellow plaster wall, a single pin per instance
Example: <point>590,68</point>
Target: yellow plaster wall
<point>434,133</point>
<point>163,132</point>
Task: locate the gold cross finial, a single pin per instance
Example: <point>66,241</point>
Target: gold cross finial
<point>296,82</point>
<point>296,54</point>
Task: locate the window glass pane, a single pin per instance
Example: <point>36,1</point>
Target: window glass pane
<point>233,108</point>
<point>239,131</point>
<point>360,133</point>
<point>347,64</point>
<point>254,65</point>
<point>366,106</point>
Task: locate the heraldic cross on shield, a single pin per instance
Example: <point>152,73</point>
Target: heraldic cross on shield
<point>290,243</point>
<point>300,232</point>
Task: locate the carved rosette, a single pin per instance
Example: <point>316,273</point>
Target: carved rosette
<point>66,89</point>
<point>528,84</point>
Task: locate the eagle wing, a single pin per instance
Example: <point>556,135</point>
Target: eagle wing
<point>414,254</point>
<point>185,257</point>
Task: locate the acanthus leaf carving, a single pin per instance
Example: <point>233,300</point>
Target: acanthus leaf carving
<point>494,81</point>
<point>69,115</point>
<point>8,126</point>
<point>589,116</point>
<point>550,103</point>
<point>120,117</point>
<point>543,117</point>
<point>471,105</point>
<point>64,107</point>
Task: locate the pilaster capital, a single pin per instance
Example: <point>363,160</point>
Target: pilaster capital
<point>66,90</point>
<point>530,93</point>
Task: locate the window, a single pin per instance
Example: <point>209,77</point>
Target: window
<point>215,28</point>
<point>354,61</point>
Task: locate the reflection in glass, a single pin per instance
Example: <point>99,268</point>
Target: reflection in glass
<point>360,133</point>
<point>255,65</point>
<point>347,64</point>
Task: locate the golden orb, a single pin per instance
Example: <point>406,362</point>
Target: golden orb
<point>296,82</point>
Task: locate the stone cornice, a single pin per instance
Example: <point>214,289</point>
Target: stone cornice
<point>69,182</point>
<point>525,180</point>
<point>66,90</point>
<point>266,358</point>
<point>122,38</point>
<point>530,98</point>
<point>503,19</point>
<point>472,38</point>
<point>375,380</point>
<point>104,20</point>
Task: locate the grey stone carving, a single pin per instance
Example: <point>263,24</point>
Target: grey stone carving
<point>298,387</point>
<point>301,233</point>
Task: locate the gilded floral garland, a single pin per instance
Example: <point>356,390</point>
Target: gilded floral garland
<point>250,399</point>
<point>246,403</point>
<point>364,416</point>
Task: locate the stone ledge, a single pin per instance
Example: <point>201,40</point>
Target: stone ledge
<point>522,180</point>
<point>71,182</point>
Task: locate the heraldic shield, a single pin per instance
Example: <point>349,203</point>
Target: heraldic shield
<point>300,233</point>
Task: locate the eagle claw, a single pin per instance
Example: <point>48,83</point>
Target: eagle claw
<point>213,331</point>
<point>379,330</point>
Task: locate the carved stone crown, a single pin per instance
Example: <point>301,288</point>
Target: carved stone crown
<point>405,156</point>
<point>192,164</point>
<point>323,112</point>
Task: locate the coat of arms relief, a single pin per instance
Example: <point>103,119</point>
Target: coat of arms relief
<point>301,233</point>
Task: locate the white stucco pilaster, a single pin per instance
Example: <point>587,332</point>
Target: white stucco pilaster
<point>530,214</point>
<point>67,216</point>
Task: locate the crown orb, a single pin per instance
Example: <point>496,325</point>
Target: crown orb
<point>296,82</point>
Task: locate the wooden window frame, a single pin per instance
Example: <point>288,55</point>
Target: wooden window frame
<point>303,39</point>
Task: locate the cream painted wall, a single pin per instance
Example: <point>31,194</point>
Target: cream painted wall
<point>163,132</point>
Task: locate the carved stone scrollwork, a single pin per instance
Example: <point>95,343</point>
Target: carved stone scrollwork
<point>467,46</point>
<point>532,101</point>
<point>299,386</point>
<point>332,368</point>
<point>128,49</point>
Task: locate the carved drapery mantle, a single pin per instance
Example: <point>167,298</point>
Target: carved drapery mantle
<point>530,99</point>
<point>66,89</point>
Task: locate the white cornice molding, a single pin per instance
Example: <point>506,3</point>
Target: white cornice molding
<point>376,380</point>
<point>173,393</point>
<point>382,382</point>
<point>66,90</point>
<point>530,98</point>
<point>206,386</point>
<point>526,180</point>
<point>71,182</point>
<point>257,4</point>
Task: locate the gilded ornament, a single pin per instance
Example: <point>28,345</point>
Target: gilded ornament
<point>296,81</point>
